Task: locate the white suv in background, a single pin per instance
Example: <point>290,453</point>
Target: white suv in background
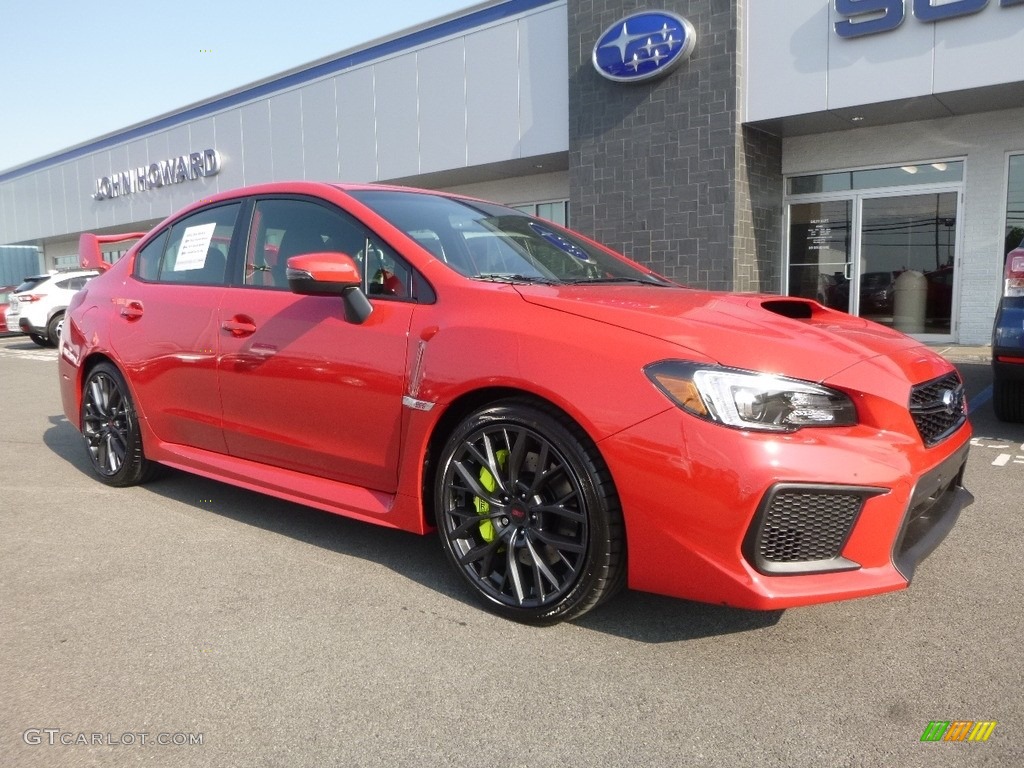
<point>37,305</point>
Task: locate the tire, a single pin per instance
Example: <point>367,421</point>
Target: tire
<point>528,514</point>
<point>53,329</point>
<point>110,428</point>
<point>1008,400</point>
<point>42,341</point>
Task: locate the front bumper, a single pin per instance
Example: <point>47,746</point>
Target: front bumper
<point>695,519</point>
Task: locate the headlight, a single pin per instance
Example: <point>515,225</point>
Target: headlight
<point>751,400</point>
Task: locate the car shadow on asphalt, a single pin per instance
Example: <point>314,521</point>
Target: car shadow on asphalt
<point>631,615</point>
<point>26,346</point>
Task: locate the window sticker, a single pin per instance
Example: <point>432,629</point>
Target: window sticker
<point>193,247</point>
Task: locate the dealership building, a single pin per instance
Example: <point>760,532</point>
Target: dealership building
<point>868,153</point>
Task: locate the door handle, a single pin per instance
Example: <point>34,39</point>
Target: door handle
<point>239,326</point>
<point>131,310</point>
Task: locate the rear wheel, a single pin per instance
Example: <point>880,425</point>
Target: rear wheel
<point>1008,400</point>
<point>38,339</point>
<point>110,427</point>
<point>53,329</point>
<point>528,513</point>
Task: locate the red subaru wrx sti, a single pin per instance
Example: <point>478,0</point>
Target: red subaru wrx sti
<point>569,421</point>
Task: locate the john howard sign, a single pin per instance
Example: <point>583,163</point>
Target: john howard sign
<point>174,170</point>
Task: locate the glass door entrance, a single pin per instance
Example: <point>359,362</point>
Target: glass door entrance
<point>889,256</point>
<point>820,252</point>
<point>908,258</point>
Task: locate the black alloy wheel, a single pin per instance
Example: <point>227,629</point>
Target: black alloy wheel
<point>110,428</point>
<point>528,513</point>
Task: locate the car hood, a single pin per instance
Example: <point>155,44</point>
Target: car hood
<point>760,332</point>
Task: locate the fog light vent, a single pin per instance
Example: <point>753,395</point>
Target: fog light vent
<point>802,529</point>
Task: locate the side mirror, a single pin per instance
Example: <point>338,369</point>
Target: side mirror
<point>330,274</point>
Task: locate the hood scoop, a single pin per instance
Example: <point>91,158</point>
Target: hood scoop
<point>795,309</point>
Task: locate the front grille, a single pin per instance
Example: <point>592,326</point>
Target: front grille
<point>938,408</point>
<point>802,528</point>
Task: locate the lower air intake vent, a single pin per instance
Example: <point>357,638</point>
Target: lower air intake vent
<point>803,528</point>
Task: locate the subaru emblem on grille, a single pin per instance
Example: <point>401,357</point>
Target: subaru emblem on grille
<point>949,399</point>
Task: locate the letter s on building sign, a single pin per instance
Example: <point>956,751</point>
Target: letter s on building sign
<point>891,16</point>
<point>868,17</point>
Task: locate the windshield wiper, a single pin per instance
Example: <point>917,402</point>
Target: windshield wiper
<point>505,277</point>
<point>640,280</point>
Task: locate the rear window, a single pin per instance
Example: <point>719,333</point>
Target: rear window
<point>31,282</point>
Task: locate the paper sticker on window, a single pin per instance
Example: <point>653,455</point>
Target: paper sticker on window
<point>194,246</point>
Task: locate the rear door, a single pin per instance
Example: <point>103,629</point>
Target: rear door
<point>166,331</point>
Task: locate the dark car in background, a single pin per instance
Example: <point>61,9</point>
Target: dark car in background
<point>1008,342</point>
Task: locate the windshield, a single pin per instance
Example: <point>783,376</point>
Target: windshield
<point>491,242</point>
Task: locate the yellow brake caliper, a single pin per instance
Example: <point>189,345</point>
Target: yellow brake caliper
<point>490,484</point>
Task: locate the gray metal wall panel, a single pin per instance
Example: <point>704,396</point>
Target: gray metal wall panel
<point>787,75</point>
<point>120,208</point>
<point>286,135</point>
<point>320,131</point>
<point>979,50</point>
<point>45,183</point>
<point>228,130</point>
<point>877,68</point>
<point>442,102</point>
<point>202,135</point>
<point>257,147</point>
<point>780,50</point>
<point>86,174</point>
<point>492,94</point>
<point>544,89</point>
<point>73,194</point>
<point>357,139</point>
<point>101,212</point>
<point>396,116</point>
<point>140,202</point>
<point>178,142</point>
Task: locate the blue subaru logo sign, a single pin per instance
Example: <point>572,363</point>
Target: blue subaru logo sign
<point>644,46</point>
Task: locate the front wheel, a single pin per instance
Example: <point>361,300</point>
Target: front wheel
<point>528,513</point>
<point>110,427</point>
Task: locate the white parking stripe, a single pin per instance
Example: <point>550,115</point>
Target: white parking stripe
<point>1001,460</point>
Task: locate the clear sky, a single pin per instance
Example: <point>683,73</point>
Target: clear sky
<point>73,70</point>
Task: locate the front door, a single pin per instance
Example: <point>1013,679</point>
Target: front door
<point>302,387</point>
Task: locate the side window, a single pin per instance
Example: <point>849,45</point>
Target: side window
<point>197,247</point>
<point>147,260</point>
<point>285,228</point>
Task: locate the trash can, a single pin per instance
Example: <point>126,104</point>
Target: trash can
<point>910,295</point>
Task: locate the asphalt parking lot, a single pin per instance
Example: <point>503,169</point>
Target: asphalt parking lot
<point>189,623</point>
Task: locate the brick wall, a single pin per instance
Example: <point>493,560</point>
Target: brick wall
<point>664,170</point>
